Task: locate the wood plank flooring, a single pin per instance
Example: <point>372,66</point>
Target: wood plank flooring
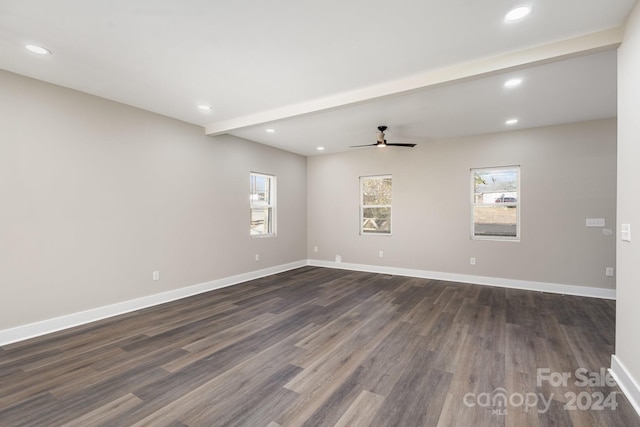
<point>323,347</point>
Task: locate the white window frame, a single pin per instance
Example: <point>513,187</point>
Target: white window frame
<point>514,204</point>
<point>270,205</point>
<point>363,231</point>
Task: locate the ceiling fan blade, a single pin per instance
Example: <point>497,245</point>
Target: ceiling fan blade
<point>400,144</point>
<point>366,145</point>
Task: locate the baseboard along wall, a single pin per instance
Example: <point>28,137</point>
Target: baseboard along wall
<point>626,382</point>
<point>584,291</point>
<point>32,330</point>
<point>35,329</point>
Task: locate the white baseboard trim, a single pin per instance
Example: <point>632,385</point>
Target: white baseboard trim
<point>626,382</point>
<point>555,288</point>
<point>36,329</point>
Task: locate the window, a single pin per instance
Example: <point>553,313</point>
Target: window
<point>495,203</point>
<point>262,204</point>
<point>375,204</point>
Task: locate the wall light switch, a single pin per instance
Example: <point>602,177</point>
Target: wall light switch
<point>472,261</point>
<point>625,232</point>
<point>156,275</point>
<point>608,271</point>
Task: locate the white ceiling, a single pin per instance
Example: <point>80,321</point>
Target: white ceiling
<point>328,72</point>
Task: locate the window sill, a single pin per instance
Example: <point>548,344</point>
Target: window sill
<point>495,239</point>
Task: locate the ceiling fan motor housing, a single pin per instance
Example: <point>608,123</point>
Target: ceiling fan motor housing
<point>381,139</point>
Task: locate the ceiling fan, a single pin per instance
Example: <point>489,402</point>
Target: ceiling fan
<point>381,142</point>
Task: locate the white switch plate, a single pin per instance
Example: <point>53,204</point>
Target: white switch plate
<point>625,232</point>
<point>472,261</point>
<point>338,258</point>
<point>156,275</point>
<point>257,257</point>
<point>608,271</point>
<point>380,254</point>
<point>595,222</point>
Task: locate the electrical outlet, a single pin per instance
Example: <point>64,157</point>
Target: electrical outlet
<point>338,258</point>
<point>472,261</point>
<point>315,249</point>
<point>380,254</point>
<point>156,275</point>
<point>257,257</point>
<point>608,271</point>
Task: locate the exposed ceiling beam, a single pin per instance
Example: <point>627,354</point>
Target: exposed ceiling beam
<point>582,45</point>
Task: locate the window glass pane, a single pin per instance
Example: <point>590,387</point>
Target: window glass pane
<point>495,186</point>
<point>376,191</point>
<point>260,190</point>
<point>376,220</point>
<point>499,221</point>
<point>260,221</point>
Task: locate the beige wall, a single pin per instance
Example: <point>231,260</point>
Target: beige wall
<point>628,315</point>
<point>568,174</point>
<point>96,195</point>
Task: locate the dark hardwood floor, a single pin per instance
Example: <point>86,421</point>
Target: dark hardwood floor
<point>317,346</point>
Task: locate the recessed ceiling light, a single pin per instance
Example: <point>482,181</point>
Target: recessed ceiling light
<point>320,148</point>
<point>511,83</point>
<point>511,122</point>
<point>517,14</point>
<point>38,49</point>
<point>271,130</point>
<point>204,107</point>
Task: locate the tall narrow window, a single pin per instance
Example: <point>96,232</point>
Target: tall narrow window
<point>375,204</point>
<point>495,203</point>
<point>262,199</point>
